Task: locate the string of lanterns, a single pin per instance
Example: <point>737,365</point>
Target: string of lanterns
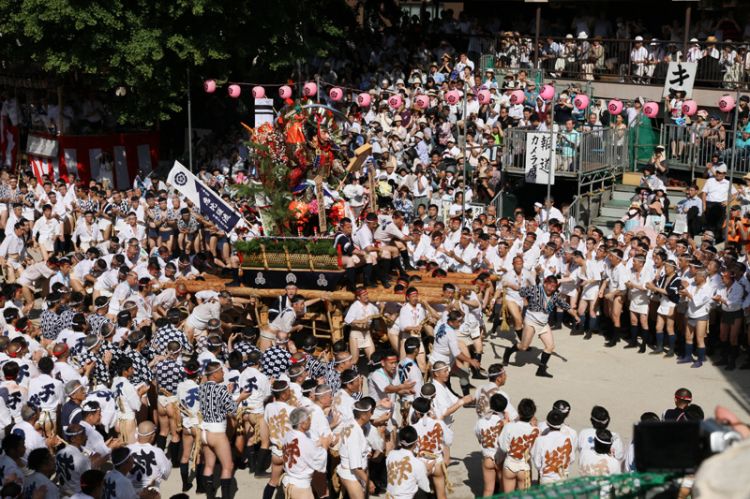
<point>453,97</point>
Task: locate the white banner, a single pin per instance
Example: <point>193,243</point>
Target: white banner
<point>680,76</point>
<point>210,204</point>
<point>263,111</point>
<point>41,146</point>
<point>540,158</point>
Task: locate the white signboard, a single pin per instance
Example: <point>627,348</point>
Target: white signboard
<point>680,76</point>
<point>37,145</point>
<point>540,158</point>
<point>263,111</point>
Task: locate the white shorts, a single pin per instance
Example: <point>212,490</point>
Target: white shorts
<point>590,293</point>
<point>665,308</point>
<point>364,340</point>
<point>346,474</point>
<point>214,427</point>
<point>515,465</point>
<point>276,451</point>
<point>469,334</point>
<point>638,305</point>
<point>539,329</point>
<point>164,401</point>
<point>104,224</point>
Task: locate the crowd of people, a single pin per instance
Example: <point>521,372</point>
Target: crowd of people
<point>114,372</point>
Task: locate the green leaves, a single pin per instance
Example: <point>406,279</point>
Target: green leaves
<point>147,45</point>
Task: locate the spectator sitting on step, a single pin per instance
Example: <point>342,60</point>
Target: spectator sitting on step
<point>650,180</point>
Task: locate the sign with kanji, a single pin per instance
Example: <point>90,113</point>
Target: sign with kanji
<point>211,205</point>
<point>680,76</point>
<point>540,158</point>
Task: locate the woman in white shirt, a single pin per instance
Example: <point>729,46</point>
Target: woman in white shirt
<point>699,297</point>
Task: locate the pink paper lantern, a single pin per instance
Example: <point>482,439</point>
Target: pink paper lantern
<point>581,101</point>
<point>485,96</point>
<point>517,97</point>
<point>651,109</point>
<point>209,86</point>
<point>310,89</point>
<point>726,103</point>
<point>422,101</point>
<point>547,93</point>
<point>364,99</point>
<point>336,94</point>
<point>689,107</point>
<point>452,97</point>
<point>395,101</point>
<point>259,92</point>
<point>285,92</point>
<point>614,107</point>
<point>234,91</point>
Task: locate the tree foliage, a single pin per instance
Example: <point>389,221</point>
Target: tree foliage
<point>147,46</point>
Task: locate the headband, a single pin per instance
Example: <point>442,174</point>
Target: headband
<point>356,409</point>
<point>355,378</point>
<point>145,434</point>
<point>553,426</point>
<point>413,292</point>
<point>13,354</point>
<point>73,434</point>
<point>605,442</point>
<point>189,371</point>
<point>602,421</point>
<point>207,373</point>
<point>405,443</point>
<point>122,461</point>
<point>103,304</point>
<point>341,361</point>
<point>75,390</point>
<point>435,369</point>
<point>323,392</point>
<point>279,390</point>
<point>98,341</point>
<point>63,351</point>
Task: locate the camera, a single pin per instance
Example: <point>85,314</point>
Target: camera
<point>666,446</point>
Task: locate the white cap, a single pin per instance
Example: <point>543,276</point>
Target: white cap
<point>538,205</point>
<point>400,81</point>
<point>722,168</point>
<point>582,35</point>
<point>639,38</point>
<point>694,40</point>
<point>568,36</point>
<point>419,135</point>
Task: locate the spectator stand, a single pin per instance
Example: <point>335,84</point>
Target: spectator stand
<point>720,64</point>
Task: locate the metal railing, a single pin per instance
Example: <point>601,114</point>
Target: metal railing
<point>692,147</point>
<point>720,65</point>
<point>575,153</point>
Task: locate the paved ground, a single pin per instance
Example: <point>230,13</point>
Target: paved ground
<point>585,374</point>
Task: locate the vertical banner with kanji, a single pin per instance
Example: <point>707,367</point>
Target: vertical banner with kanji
<point>211,205</point>
<point>680,77</point>
<point>540,158</point>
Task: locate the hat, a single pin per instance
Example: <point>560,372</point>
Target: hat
<point>639,38</point>
<point>397,117</point>
<point>419,135</point>
<point>400,81</point>
<point>538,205</point>
<point>711,39</point>
<point>722,168</point>
<point>568,36</point>
<point>490,70</point>
<point>583,35</point>
<point>694,40</point>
